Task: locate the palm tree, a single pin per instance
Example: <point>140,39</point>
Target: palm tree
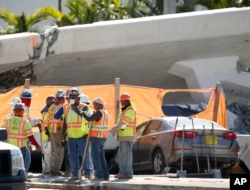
<point>23,23</point>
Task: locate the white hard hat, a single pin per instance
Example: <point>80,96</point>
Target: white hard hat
<point>99,100</point>
<point>15,101</point>
<point>84,99</point>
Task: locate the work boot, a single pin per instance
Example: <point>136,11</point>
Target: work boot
<point>67,172</point>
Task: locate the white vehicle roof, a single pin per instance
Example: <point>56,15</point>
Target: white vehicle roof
<point>7,146</point>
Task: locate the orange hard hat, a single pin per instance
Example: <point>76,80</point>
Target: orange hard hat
<point>125,96</point>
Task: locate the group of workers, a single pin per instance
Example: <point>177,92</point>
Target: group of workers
<point>73,131</point>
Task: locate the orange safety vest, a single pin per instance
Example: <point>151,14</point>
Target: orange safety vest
<point>19,129</point>
<point>54,125</point>
<point>99,128</point>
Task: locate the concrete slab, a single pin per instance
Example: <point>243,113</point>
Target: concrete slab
<point>139,182</point>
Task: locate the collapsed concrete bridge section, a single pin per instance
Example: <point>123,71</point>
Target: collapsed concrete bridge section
<point>188,50</point>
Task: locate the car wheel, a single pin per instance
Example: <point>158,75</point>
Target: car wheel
<point>158,162</point>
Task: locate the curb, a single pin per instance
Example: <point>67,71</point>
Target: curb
<point>137,183</point>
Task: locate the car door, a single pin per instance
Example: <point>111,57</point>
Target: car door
<point>139,131</point>
<point>147,142</point>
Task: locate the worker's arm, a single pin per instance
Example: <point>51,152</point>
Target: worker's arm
<point>83,113</point>
<point>78,111</point>
<point>94,117</point>
<point>118,126</point>
<point>34,142</point>
<point>64,127</point>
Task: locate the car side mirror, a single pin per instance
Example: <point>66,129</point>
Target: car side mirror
<point>3,134</point>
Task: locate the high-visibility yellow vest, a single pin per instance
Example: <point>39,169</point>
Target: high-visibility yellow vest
<point>77,126</point>
<point>26,113</point>
<point>54,125</point>
<point>99,128</point>
<point>44,123</point>
<point>128,116</point>
<point>19,129</point>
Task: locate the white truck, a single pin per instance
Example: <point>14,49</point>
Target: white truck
<point>12,171</point>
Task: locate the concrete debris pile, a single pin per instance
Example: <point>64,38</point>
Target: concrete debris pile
<point>242,110</point>
<point>15,77</point>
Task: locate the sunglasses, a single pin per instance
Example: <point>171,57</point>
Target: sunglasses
<point>73,97</point>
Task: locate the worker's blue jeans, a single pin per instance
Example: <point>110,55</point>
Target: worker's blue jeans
<point>125,158</point>
<point>76,149</point>
<point>26,158</point>
<point>98,157</point>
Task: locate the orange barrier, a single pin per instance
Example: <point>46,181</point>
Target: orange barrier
<point>147,100</point>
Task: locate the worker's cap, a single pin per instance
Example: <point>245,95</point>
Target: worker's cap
<point>60,93</point>
<point>99,100</point>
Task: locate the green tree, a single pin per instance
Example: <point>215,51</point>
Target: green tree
<point>22,23</point>
<point>188,5</point>
<point>218,4</point>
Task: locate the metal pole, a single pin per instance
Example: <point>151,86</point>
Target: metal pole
<point>26,84</point>
<point>117,95</point>
<point>60,5</point>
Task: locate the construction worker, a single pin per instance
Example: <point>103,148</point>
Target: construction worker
<point>26,97</point>
<point>77,132</point>
<point>46,145</point>
<point>98,136</point>
<point>14,101</point>
<point>125,129</point>
<point>19,132</point>
<point>55,133</point>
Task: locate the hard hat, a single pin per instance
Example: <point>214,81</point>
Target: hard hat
<point>14,101</point>
<point>84,98</point>
<point>26,94</point>
<point>19,106</point>
<point>98,101</point>
<point>74,92</point>
<point>60,93</point>
<point>125,96</point>
<point>19,109</point>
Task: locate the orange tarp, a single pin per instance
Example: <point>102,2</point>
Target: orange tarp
<point>220,114</point>
<point>147,101</point>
